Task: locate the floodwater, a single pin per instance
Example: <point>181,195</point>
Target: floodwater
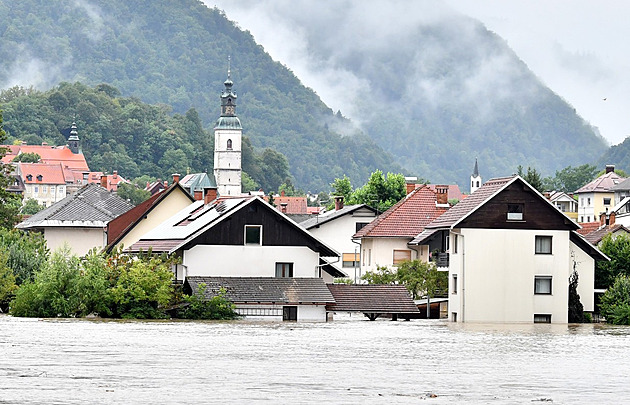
<point>342,362</point>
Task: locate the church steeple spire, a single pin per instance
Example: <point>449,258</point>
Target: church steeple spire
<point>475,178</point>
<point>73,139</point>
<point>228,97</point>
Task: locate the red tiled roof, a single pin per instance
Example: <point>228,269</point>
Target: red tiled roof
<point>295,205</point>
<point>588,227</point>
<point>371,298</point>
<point>49,154</point>
<point>597,235</point>
<point>50,173</point>
<point>407,218</point>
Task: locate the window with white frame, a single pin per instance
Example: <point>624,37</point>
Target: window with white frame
<point>515,212</point>
<point>543,244</point>
<point>253,234</point>
<point>606,201</point>
<point>542,285</point>
<point>44,189</point>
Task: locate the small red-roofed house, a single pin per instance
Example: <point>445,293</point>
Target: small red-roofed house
<point>384,241</point>
<point>45,183</point>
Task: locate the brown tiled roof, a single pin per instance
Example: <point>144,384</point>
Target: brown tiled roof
<point>371,298</point>
<point>602,184</point>
<point>588,227</point>
<point>470,203</point>
<point>264,289</point>
<point>158,246</point>
<point>407,218</point>
<point>596,236</point>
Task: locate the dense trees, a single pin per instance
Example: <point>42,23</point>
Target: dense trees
<point>125,134</point>
<point>615,304</point>
<point>381,191</point>
<point>618,250</point>
<point>9,203</point>
<point>422,279</point>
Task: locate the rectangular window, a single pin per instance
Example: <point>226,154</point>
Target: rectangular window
<point>289,313</point>
<point>454,316</point>
<point>454,286</point>
<point>455,243</point>
<point>542,285</point>
<point>253,234</point>
<point>588,218</point>
<point>284,270</point>
<point>364,257</point>
<point>401,255</point>
<point>52,190</point>
<point>360,225</point>
<point>515,212</point>
<point>588,201</point>
<point>606,201</point>
<point>36,190</point>
<point>44,189</point>
<point>542,318</point>
<point>61,190</point>
<point>350,259</point>
<point>543,245</point>
<point>369,257</point>
<point>581,219</point>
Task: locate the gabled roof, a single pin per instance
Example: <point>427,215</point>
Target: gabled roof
<point>560,196</point>
<point>407,218</point>
<point>588,227</point>
<point>587,247</point>
<point>264,290</point>
<point>197,182</point>
<point>123,224</point>
<point>597,235</point>
<point>295,205</point>
<point>192,221</point>
<point>371,298</point>
<point>602,184</point>
<point>91,206</point>
<point>42,173</point>
<point>331,215</point>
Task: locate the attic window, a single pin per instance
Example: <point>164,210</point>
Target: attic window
<point>29,177</point>
<point>39,177</point>
<point>253,234</point>
<point>515,212</point>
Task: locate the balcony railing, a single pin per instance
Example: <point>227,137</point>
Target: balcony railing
<point>440,259</point>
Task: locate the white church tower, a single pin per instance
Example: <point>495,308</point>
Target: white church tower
<point>475,178</point>
<point>227,144</point>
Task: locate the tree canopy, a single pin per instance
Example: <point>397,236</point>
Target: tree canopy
<point>380,191</point>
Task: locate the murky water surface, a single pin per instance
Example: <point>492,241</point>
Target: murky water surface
<point>343,362</point>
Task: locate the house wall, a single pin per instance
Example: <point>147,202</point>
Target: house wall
<point>80,240</point>
<point>585,266</point>
<point>249,261</point>
<point>273,312</point>
<point>495,270</point>
<point>53,193</point>
<point>380,252</point>
<point>174,202</point>
<point>590,212</point>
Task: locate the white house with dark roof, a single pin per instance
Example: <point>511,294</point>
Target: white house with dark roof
<point>240,237</point>
<point>336,229</point>
<point>598,196</point>
<point>511,253</point>
<point>79,220</point>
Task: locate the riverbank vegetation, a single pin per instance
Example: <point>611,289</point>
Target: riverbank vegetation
<point>615,304</point>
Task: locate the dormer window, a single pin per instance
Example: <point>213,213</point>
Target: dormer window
<point>39,177</point>
<point>29,177</point>
<point>515,212</point>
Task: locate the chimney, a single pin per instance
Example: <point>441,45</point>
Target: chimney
<point>610,168</point>
<point>175,178</point>
<point>547,195</point>
<point>410,182</point>
<point>198,195</point>
<point>338,202</point>
<point>611,219</point>
<point>283,207</point>
<point>442,194</point>
<point>210,194</point>
<point>282,193</point>
<point>44,143</point>
<point>165,183</point>
<point>115,175</point>
<point>602,219</point>
<point>104,181</point>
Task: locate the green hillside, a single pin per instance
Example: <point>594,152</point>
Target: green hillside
<point>176,53</point>
<point>449,90</point>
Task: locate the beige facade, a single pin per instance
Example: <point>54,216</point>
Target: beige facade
<point>80,240</point>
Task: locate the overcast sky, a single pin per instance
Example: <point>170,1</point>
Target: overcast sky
<point>579,48</point>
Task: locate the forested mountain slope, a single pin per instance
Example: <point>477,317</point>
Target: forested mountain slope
<point>436,95</point>
<point>176,53</point>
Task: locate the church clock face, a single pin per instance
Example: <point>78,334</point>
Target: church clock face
<point>229,109</point>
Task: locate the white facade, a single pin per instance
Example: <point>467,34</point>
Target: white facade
<point>492,275</point>
<point>273,312</point>
<point>80,240</point>
<point>227,161</point>
<point>249,261</point>
<point>378,252</point>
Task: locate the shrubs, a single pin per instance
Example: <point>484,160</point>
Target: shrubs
<point>108,285</point>
<point>217,307</point>
<point>615,304</point>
